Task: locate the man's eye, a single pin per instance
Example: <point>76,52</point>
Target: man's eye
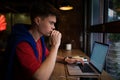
<point>51,23</point>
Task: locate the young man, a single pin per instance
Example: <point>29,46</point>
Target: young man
<point>29,58</point>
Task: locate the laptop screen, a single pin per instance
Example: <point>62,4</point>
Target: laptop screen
<point>98,55</point>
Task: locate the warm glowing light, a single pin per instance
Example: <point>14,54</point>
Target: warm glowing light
<point>66,8</point>
<point>2,23</point>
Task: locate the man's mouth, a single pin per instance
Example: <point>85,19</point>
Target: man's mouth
<point>50,33</point>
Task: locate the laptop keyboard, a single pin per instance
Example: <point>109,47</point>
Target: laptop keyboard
<point>85,68</point>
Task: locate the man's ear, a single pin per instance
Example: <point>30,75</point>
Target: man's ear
<point>37,20</point>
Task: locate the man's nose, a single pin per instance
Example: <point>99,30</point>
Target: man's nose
<point>53,27</point>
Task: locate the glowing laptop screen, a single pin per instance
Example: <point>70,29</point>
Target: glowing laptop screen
<point>98,55</point>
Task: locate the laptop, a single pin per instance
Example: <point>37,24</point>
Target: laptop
<point>95,65</point>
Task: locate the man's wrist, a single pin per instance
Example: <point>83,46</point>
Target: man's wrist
<point>65,58</point>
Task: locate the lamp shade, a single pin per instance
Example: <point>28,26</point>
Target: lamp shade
<point>65,5</point>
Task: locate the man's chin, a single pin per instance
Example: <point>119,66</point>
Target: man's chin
<point>47,35</point>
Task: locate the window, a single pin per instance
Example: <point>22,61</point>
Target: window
<point>105,27</point>
<point>113,58</point>
<point>96,37</point>
<point>113,10</point>
<point>113,39</point>
<point>96,12</point>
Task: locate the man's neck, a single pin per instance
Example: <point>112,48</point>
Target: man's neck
<point>35,34</point>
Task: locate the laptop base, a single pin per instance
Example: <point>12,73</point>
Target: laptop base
<point>74,70</point>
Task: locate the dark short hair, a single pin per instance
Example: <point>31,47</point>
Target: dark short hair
<point>42,9</point>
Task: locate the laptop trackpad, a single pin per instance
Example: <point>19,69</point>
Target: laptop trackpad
<point>73,69</point>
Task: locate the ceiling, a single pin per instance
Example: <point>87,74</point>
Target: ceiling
<point>21,6</point>
<point>15,6</point>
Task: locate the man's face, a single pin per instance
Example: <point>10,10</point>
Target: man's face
<point>47,25</point>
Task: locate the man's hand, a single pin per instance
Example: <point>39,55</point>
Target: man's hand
<point>73,60</point>
<point>55,38</point>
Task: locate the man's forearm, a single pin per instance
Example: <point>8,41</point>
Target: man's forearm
<point>45,70</point>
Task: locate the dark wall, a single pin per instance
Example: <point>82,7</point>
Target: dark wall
<point>70,27</point>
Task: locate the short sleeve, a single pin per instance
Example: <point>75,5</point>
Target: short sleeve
<point>26,58</point>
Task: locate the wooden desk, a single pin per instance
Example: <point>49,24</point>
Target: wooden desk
<point>60,73</point>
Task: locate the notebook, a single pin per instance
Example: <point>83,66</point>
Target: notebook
<point>96,64</point>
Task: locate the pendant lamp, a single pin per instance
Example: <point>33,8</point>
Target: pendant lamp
<point>65,5</point>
